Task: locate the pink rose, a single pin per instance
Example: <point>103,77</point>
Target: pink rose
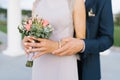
<point>45,23</point>
<point>28,26</point>
<point>30,22</point>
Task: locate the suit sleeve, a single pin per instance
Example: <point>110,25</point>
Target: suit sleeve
<point>104,39</point>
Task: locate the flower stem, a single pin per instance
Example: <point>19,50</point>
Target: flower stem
<point>29,63</point>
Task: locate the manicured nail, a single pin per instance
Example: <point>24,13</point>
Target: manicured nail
<point>28,51</point>
<point>30,48</point>
<point>25,43</point>
<point>33,41</point>
<point>53,52</point>
<point>28,36</point>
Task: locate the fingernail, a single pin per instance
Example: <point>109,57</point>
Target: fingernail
<point>25,43</point>
<point>28,36</point>
<point>33,41</point>
<point>53,52</point>
<point>30,47</point>
<point>27,51</point>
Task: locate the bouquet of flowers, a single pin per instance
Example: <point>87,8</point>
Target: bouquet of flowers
<point>36,27</point>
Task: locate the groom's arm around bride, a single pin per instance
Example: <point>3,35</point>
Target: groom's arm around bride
<point>99,37</point>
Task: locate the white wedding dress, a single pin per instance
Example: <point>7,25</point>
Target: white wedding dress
<point>51,67</point>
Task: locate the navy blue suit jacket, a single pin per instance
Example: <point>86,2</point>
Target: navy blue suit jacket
<point>99,37</point>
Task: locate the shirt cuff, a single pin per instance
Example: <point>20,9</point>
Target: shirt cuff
<point>78,56</point>
<point>83,47</point>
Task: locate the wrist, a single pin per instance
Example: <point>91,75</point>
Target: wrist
<point>56,45</point>
<point>83,46</point>
<point>61,43</point>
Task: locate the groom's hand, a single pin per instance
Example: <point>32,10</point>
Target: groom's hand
<point>71,47</point>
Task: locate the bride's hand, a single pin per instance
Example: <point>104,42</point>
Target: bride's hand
<point>43,46</point>
<point>25,41</point>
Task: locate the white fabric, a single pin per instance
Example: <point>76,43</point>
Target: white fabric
<point>51,67</point>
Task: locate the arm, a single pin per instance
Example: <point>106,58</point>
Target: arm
<point>105,33</point>
<point>79,19</point>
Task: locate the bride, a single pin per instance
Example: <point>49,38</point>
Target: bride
<point>67,17</point>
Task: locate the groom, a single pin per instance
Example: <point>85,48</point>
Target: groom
<point>99,38</point>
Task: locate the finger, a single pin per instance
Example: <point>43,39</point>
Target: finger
<point>37,50</point>
<point>63,43</point>
<point>26,50</point>
<point>27,39</point>
<point>58,51</point>
<point>36,45</point>
<point>32,38</point>
<point>65,53</point>
<point>26,47</point>
<point>25,44</point>
<point>40,39</point>
<point>38,55</point>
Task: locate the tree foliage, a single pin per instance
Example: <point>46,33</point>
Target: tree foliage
<point>117,19</point>
<point>24,12</point>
